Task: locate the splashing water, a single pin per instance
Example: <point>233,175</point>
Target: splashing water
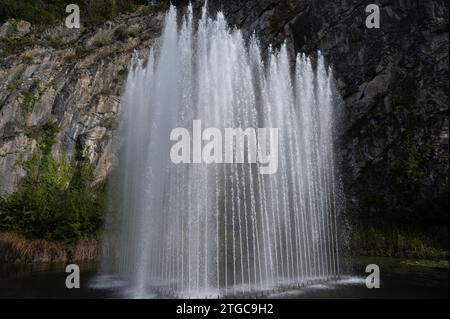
<point>223,229</point>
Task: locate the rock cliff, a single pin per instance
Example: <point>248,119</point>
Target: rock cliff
<point>393,142</point>
<point>73,76</point>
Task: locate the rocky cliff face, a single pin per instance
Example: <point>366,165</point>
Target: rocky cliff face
<point>73,76</point>
<point>393,142</point>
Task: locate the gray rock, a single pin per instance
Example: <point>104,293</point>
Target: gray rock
<point>74,77</point>
<point>14,28</point>
<point>394,84</point>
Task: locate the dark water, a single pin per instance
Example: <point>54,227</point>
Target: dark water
<point>399,279</point>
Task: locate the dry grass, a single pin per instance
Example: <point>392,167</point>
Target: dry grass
<point>19,250</point>
<point>381,242</point>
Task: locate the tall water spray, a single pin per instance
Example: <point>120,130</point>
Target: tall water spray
<point>224,229</point>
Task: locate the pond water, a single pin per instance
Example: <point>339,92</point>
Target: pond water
<point>399,279</point>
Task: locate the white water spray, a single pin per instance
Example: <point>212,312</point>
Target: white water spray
<point>223,229</point>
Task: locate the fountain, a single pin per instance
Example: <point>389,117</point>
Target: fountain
<point>209,230</point>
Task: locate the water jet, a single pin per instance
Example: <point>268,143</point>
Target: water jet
<point>222,229</point>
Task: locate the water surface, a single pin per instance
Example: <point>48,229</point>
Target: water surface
<point>399,279</point>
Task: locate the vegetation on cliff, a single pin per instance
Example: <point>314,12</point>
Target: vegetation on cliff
<point>56,199</point>
<point>48,12</point>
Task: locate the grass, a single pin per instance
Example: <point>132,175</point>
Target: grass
<point>28,99</point>
<point>382,241</point>
<point>122,33</point>
<point>442,264</point>
<point>13,86</point>
<point>99,43</point>
<point>57,43</point>
<point>14,45</point>
<point>28,102</point>
<point>16,249</point>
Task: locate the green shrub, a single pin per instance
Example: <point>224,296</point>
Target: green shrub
<point>28,101</point>
<point>57,43</point>
<point>13,85</point>
<point>385,241</point>
<point>56,199</point>
<point>99,43</point>
<point>14,45</point>
<point>411,170</point>
<point>122,33</point>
